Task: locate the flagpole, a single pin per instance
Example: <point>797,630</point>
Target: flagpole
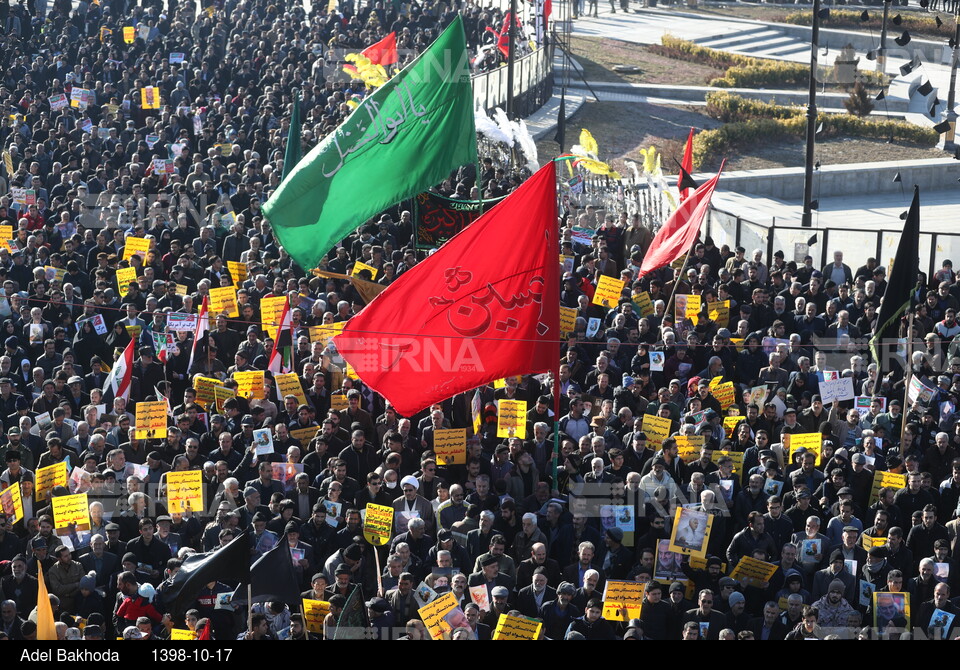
<point>376,558</point>
<point>556,371</point>
<point>909,379</point>
<point>683,269</point>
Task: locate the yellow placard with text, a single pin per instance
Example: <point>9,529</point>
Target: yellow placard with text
<point>314,612</point>
<point>11,501</point>
<point>326,333</point>
<point>809,441</point>
<point>516,628</point>
<point>73,510</point>
<point>884,478</point>
<point>271,311</point>
<point>432,614</point>
<point>222,394</point>
<point>250,384</point>
<point>751,572</point>
<point>736,456</point>
<point>730,424</point>
<point>450,446</point>
<point>129,34</point>
<point>359,266</point>
<point>338,401</point>
<point>656,427</point>
<point>238,272</point>
<point>622,600</point>
<point>150,97</point>
<point>223,300</point>
<point>125,277</point>
<point>512,419</point>
<point>643,302</point>
<point>289,384</point>
<point>185,491</point>
<point>378,524</point>
<point>568,320</point>
<point>204,387</point>
<point>720,312</point>
<point>725,394</point>
<point>135,246</point>
<point>151,420</point>
<point>50,476</point>
<point>608,291</point>
<point>182,634</point>
<point>689,447</point>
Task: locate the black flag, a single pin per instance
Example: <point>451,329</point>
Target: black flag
<point>229,564</point>
<point>903,279</point>
<point>272,577</point>
<point>561,120</point>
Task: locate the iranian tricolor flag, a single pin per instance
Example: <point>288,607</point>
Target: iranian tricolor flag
<point>118,380</point>
<point>203,325</point>
<point>284,340</point>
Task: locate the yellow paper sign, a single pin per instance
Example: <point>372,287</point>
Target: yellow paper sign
<point>689,447</point>
<point>512,419</point>
<point>516,628</point>
<point>622,600</point>
<point>378,523</point>
<point>656,427</point>
<point>125,277</point>
<point>720,312</point>
<point>135,246</point>
<point>433,612</point>
<point>643,303</point>
<point>809,441</point>
<point>304,435</point>
<point>730,424</point>
<point>223,300</point>
<point>128,34</point>
<point>238,272</point>
<point>869,543</point>
<point>250,384</point>
<point>50,476</point>
<point>884,478</point>
<point>271,311</point>
<point>751,572</point>
<point>360,265</point>
<point>289,384</point>
<point>608,291</point>
<point>181,633</point>
<point>11,501</point>
<point>71,510</point>
<point>687,306</point>
<point>222,394</point>
<point>568,320</point>
<point>181,289</point>
<point>151,420</point>
<point>6,233</point>
<point>725,394</point>
<point>185,491</point>
<point>8,165</point>
<point>338,401</point>
<point>326,333</point>
<point>450,446</point>
<point>204,387</point>
<point>150,97</point>
<point>314,612</point>
<point>736,456</point>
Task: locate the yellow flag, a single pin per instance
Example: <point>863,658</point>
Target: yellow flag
<point>45,628</point>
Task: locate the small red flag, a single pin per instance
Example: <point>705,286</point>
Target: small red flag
<point>383,52</point>
<point>485,306</point>
<point>687,164</point>
<point>680,231</point>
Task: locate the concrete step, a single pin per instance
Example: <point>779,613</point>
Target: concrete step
<point>739,38</point>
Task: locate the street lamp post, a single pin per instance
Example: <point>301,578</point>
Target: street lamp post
<point>806,219</point>
<point>511,56</point>
<point>882,56</point>
<point>948,139</point>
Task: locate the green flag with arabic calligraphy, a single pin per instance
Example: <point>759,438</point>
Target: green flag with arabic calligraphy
<point>404,138</point>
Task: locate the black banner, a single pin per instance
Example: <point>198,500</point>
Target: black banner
<point>439,218</point>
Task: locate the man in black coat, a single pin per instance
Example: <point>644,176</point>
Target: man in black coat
<point>532,597</point>
<point>768,626</point>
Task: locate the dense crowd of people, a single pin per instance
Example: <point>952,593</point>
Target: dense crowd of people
<point>90,164</point>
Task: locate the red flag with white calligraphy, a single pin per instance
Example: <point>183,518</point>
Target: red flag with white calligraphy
<point>483,307</point>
